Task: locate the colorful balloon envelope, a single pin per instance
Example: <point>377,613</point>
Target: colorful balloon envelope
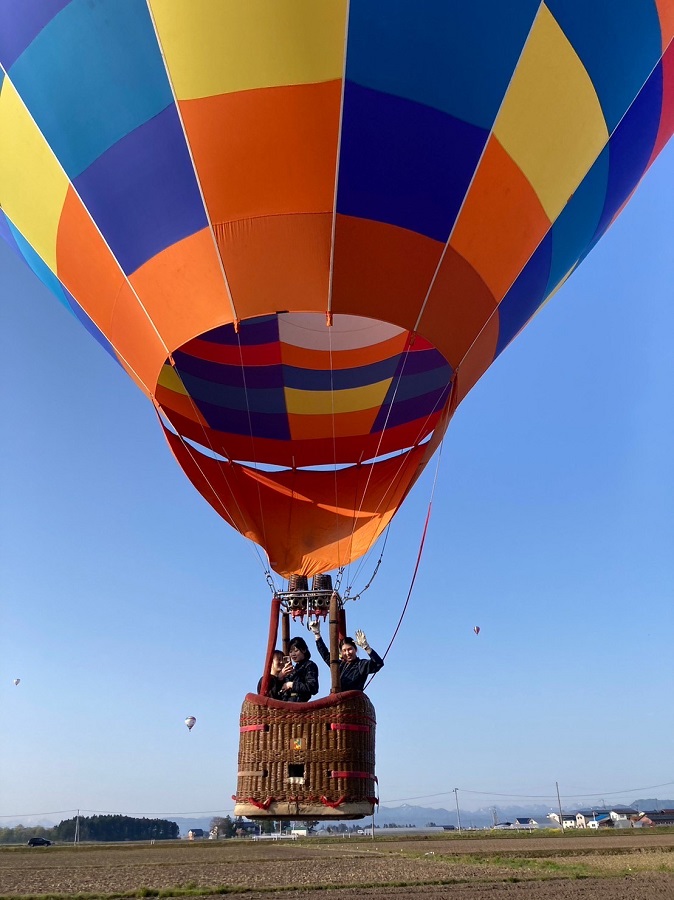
<point>190,721</point>
<point>306,234</point>
<point>476,629</point>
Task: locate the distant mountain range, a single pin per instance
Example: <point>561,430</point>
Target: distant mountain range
<point>420,816</point>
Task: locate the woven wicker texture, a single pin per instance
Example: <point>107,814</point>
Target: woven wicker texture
<point>303,753</point>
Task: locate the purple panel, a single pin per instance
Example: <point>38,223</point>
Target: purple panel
<point>232,421</point>
<point>226,375</point>
<point>20,22</point>
<point>142,192</point>
<point>630,147</point>
<point>415,409</point>
<point>252,332</point>
<point>404,163</point>
<point>526,294</point>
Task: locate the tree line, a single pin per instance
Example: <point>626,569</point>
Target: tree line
<point>96,828</point>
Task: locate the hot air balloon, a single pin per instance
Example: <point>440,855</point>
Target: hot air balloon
<point>190,721</point>
<point>307,235</point>
<point>476,629</point>
<point>17,681</point>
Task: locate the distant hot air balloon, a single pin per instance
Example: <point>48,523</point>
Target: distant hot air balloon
<point>17,681</point>
<point>476,629</point>
<point>190,721</point>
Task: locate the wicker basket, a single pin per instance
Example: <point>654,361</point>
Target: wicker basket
<point>307,760</point>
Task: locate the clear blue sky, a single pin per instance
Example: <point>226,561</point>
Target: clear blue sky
<point>127,604</point>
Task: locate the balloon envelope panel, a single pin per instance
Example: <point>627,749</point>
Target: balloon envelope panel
<point>202,183</point>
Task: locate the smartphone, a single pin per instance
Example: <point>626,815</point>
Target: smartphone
<point>286,660</point>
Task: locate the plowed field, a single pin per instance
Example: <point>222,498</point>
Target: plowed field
<point>514,868</point>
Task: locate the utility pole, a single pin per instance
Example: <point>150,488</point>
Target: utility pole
<point>77,828</point>
<point>559,804</point>
<point>458,814</point>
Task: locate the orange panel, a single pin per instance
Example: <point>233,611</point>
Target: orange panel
<point>382,271</point>
<point>90,272</point>
<point>458,307</point>
<point>277,263</point>
<point>501,223</point>
<point>183,290</point>
<point>271,151</point>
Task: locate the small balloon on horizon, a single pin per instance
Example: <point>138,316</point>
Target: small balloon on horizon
<point>476,629</point>
<point>190,721</point>
<point>17,681</point>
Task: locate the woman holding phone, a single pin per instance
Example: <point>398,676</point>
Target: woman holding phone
<point>299,675</point>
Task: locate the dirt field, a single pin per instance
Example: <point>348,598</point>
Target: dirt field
<point>619,867</point>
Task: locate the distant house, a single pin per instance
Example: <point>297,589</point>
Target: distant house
<point>195,833</point>
<point>653,818</point>
<point>620,817</point>
<point>525,823</point>
<point>568,820</point>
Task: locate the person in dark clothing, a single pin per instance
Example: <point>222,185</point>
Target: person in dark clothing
<point>299,676</point>
<point>353,672</point>
<point>274,689</point>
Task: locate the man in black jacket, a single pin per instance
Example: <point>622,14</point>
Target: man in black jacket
<point>353,672</point>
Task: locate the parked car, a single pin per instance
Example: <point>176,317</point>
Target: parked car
<point>39,842</point>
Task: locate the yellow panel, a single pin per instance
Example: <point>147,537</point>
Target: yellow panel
<point>221,46</point>
<point>32,184</point>
<point>312,403</point>
<point>551,123</point>
<point>169,379</point>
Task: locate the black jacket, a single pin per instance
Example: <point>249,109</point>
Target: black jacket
<point>352,675</point>
<point>274,690</point>
<point>305,683</point>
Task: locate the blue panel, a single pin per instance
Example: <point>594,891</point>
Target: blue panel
<point>41,269</point>
<point>142,193</point>
<point>7,234</point>
<point>91,76</point>
<point>525,296</point>
<point>618,42</point>
<point>630,147</point>
<point>403,163</point>
<point>454,57</point>
<point>47,277</point>
<point>20,22</point>
<point>261,425</point>
<point>577,223</point>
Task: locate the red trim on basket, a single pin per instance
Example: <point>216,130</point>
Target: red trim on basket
<point>251,728</point>
<point>332,804</point>
<point>267,803</point>
<point>352,775</point>
<point>340,726</point>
